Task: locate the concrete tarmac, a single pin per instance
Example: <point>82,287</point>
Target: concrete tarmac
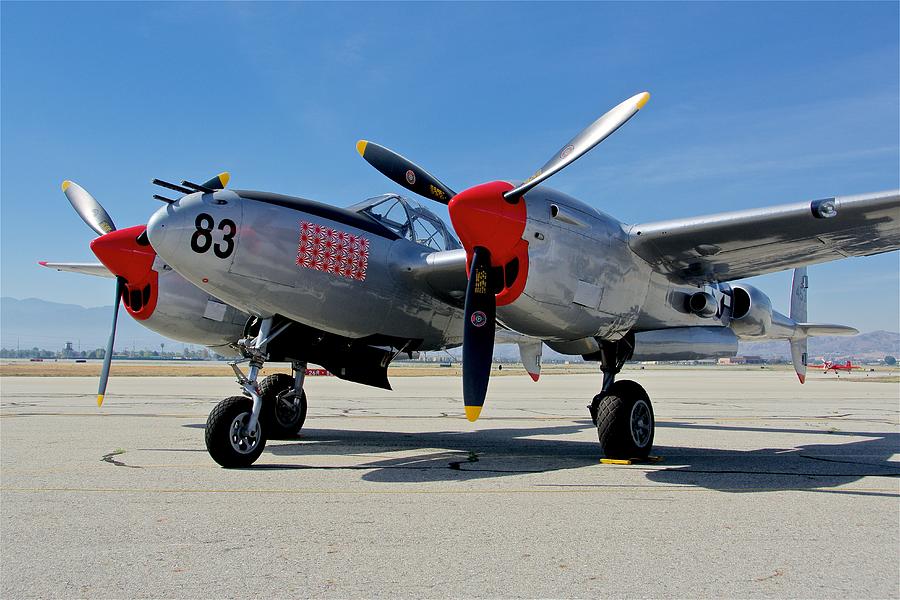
<point>765,488</point>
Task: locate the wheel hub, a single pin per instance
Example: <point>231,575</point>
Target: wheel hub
<point>243,441</point>
<point>287,408</point>
<point>641,423</point>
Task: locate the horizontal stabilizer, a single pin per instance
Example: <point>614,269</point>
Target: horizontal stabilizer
<point>819,329</point>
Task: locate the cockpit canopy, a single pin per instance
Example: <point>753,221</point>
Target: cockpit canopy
<point>408,219</point>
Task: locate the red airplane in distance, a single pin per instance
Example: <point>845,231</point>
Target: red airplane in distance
<point>831,366</point>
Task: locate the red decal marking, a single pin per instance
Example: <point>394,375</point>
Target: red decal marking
<point>332,251</point>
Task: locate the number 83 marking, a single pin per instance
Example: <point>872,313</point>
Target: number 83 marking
<point>202,239</point>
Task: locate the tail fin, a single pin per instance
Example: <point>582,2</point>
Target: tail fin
<point>798,295</point>
<point>530,351</point>
<point>806,330</point>
<point>798,357</point>
<point>799,287</point>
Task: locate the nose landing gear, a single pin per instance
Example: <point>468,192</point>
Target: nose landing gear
<point>238,427</point>
<point>284,402</point>
<point>228,439</point>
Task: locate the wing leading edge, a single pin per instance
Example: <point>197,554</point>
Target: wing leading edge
<point>735,245</point>
<point>96,269</point>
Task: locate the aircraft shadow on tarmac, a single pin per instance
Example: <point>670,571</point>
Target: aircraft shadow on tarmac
<point>489,453</point>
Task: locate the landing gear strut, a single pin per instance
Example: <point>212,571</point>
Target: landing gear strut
<point>622,410</point>
<point>236,430</point>
<point>284,402</point>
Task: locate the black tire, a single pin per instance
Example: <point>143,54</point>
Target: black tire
<point>282,422</point>
<point>593,407</point>
<point>227,449</point>
<point>625,422</point>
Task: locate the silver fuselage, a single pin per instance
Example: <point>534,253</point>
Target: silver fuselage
<point>583,280</point>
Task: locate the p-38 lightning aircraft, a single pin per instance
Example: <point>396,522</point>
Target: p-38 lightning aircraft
<point>353,288</point>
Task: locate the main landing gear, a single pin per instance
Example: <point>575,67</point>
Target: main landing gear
<point>238,427</point>
<point>622,410</point>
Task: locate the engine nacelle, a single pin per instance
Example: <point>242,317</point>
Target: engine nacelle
<point>751,312</point>
<point>188,314</point>
<point>582,280</point>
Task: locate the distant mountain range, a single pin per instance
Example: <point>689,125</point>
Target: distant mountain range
<point>49,325</point>
<point>872,345</point>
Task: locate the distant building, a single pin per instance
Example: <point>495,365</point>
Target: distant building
<point>742,360</point>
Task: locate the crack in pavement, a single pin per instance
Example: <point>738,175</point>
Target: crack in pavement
<point>109,458</point>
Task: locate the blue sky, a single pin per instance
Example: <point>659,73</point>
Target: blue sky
<point>752,104</point>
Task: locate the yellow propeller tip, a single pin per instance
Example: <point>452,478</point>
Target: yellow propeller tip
<point>66,184</point>
<point>361,147</point>
<point>224,178</point>
<point>99,399</point>
<point>644,97</point>
<point>472,413</point>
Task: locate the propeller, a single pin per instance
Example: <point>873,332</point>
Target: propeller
<point>582,143</point>
<point>129,256</point>
<point>490,222</point>
<point>404,171</point>
<point>219,182</point>
<point>87,208</point>
<point>478,333</point>
<point>107,357</point>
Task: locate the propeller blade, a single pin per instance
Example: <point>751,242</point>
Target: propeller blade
<point>478,332</point>
<point>218,182</point>
<point>403,171</point>
<point>107,358</point>
<point>592,135</point>
<point>87,208</point>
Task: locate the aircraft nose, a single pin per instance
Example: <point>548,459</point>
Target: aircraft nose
<point>161,224</point>
<point>197,234</point>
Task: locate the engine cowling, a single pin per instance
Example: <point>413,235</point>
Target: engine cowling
<point>751,312</point>
<point>582,278</point>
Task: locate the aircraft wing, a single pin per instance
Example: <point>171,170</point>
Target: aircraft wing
<point>96,269</point>
<point>735,245</point>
